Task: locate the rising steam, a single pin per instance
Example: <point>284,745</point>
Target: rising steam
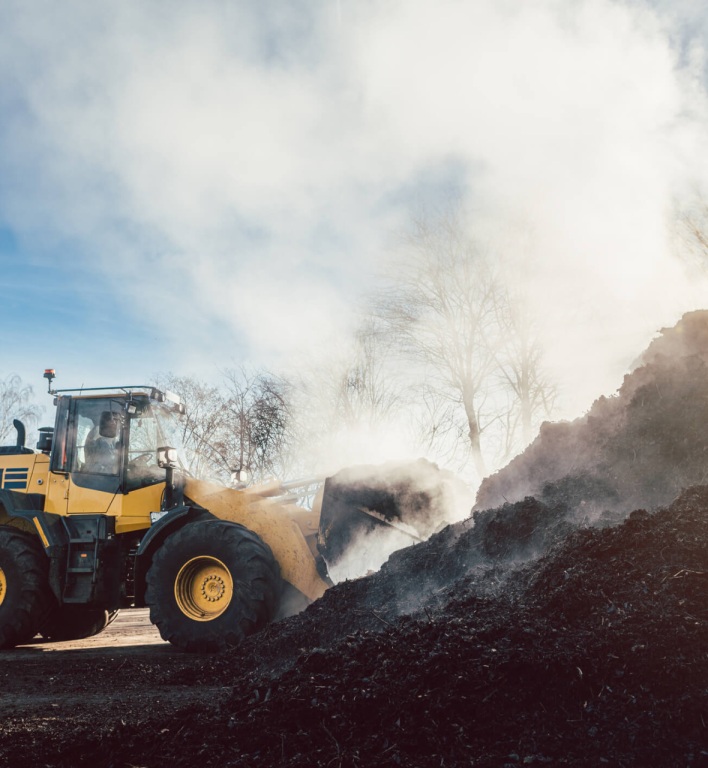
<point>368,512</point>
<point>264,159</point>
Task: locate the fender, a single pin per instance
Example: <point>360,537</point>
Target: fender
<point>29,508</point>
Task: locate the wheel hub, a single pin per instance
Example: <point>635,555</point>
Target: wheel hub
<point>213,588</point>
<point>3,585</point>
<point>203,588</point>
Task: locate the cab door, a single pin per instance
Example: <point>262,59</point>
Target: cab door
<point>57,490</point>
<point>88,457</point>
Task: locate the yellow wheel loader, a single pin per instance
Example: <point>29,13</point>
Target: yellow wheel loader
<point>104,515</point>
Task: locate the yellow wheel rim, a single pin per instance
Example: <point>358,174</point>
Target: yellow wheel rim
<point>3,585</point>
<point>203,588</point>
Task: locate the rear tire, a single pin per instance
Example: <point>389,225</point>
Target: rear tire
<point>211,584</point>
<point>71,622</point>
<point>25,597</point>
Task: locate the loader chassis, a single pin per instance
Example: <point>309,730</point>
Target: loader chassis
<point>98,524</point>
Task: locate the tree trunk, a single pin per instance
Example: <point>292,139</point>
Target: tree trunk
<point>475,441</point>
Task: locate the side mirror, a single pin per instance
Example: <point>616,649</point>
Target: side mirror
<point>133,408</point>
<point>174,487</point>
<point>44,444</point>
<point>167,457</point>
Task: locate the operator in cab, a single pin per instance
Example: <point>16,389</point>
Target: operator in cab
<point>102,445</point>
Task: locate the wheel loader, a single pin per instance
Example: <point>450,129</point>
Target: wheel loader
<point>104,515</point>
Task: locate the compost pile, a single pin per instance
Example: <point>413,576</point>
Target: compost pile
<point>639,448</point>
<point>566,625</point>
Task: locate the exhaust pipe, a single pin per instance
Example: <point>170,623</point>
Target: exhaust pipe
<point>21,434</point>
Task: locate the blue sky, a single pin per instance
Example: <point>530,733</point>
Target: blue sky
<point>58,312</point>
<point>190,185</point>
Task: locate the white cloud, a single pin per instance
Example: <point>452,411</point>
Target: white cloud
<point>246,166</point>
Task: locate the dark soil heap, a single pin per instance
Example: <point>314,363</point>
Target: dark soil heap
<point>596,654</point>
<point>543,632</point>
<point>636,449</point>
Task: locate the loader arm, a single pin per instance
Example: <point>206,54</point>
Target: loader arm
<point>289,530</point>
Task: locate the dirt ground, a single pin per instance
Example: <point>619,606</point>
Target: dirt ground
<point>39,680</point>
<point>565,623</point>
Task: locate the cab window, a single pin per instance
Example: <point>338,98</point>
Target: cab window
<point>98,431</point>
<point>143,440</point>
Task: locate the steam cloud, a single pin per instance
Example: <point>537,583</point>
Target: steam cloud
<point>369,512</point>
<point>263,158</point>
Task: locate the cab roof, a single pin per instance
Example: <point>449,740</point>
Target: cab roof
<point>124,391</point>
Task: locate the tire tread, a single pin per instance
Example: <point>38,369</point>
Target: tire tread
<point>256,593</point>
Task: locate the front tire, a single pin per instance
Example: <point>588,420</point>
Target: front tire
<point>25,597</point>
<point>211,584</point>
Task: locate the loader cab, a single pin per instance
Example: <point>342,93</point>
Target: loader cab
<point>105,447</point>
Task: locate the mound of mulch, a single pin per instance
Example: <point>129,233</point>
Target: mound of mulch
<point>636,449</point>
<point>595,654</point>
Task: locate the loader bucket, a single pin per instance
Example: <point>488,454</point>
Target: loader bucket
<point>414,498</point>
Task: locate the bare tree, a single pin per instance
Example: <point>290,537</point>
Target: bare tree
<point>339,405</point>
<point>364,391</point>
<point>202,424</point>
<point>257,410</point>
<point>440,305</point>
<point>465,329</point>
<point>519,357</point>
<point>691,229</point>
<point>16,403</point>
<point>437,425</point>
<point>241,425</point>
